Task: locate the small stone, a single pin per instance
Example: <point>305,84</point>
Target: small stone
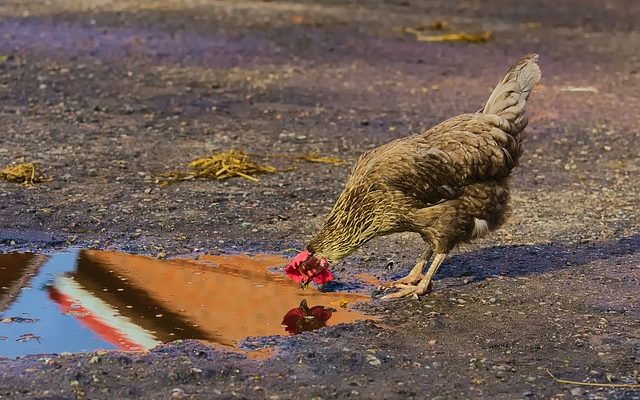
<point>373,360</point>
<point>177,393</point>
<point>432,342</point>
<point>578,391</point>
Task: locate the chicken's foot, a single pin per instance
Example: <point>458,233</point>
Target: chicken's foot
<point>414,276</point>
<point>423,286</point>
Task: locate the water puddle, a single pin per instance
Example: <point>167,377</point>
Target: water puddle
<point>85,300</point>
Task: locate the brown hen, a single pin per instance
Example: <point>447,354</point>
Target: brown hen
<point>449,184</point>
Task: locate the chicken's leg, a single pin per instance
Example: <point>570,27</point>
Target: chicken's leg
<point>422,287</point>
<point>416,272</point>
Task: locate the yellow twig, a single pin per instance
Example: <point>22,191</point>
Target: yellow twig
<point>26,173</point>
<point>450,37</point>
<point>617,385</point>
<point>251,178</point>
<point>315,157</point>
<point>219,166</point>
<point>233,163</point>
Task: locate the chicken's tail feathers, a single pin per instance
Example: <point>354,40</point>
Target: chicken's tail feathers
<point>509,99</point>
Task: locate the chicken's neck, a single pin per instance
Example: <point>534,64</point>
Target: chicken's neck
<point>337,244</point>
<point>351,223</point>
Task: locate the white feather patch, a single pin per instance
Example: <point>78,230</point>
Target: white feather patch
<point>480,227</point>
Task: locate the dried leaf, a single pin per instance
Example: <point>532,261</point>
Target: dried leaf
<point>450,37</point>
<point>26,173</point>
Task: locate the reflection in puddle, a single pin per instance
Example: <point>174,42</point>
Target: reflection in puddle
<point>85,300</point>
<point>303,318</point>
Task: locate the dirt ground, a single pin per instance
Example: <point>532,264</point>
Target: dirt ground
<point>105,95</point>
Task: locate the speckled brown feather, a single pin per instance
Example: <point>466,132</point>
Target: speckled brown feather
<point>438,182</point>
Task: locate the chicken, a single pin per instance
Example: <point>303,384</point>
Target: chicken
<point>449,184</point>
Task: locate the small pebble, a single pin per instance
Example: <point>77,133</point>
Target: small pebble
<point>373,360</point>
<point>578,391</point>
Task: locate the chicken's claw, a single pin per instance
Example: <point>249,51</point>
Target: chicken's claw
<point>414,291</point>
<point>406,281</point>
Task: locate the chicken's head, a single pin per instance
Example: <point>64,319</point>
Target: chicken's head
<point>306,267</point>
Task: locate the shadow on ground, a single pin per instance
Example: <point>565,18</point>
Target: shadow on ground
<point>535,259</point>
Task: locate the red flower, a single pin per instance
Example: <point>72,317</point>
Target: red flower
<point>305,268</point>
<point>303,318</point>
<point>321,277</point>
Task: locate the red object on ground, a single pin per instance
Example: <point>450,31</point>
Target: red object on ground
<point>303,318</point>
<point>305,267</point>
